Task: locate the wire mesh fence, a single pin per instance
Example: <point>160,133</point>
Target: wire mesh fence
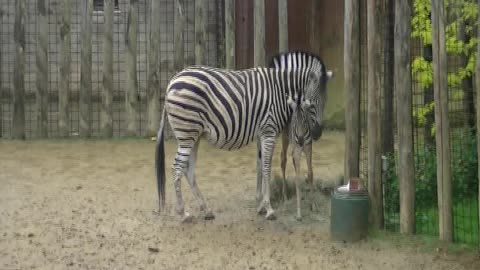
<point>461,22</point>
<point>54,11</point>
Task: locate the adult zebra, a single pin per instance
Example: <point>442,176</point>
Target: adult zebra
<point>231,109</point>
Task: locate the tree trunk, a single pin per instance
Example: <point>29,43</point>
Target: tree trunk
<point>374,49</point>
<point>259,33</point>
<point>131,95</point>
<point>230,33</point>
<point>153,90</point>
<point>477,87</point>
<point>442,124</point>
<point>403,89</point>
<point>85,105</point>
<point>106,115</point>
<point>18,125</point>
<point>65,60</point>
<point>351,60</point>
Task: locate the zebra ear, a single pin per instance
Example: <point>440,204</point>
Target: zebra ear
<point>329,74</point>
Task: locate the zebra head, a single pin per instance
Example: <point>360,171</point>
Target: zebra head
<point>316,97</point>
<point>315,76</point>
<point>299,125</point>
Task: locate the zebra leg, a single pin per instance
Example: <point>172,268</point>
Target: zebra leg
<point>297,154</point>
<point>268,146</point>
<point>193,183</point>
<point>180,166</point>
<point>259,172</point>
<point>283,163</point>
<point>308,154</point>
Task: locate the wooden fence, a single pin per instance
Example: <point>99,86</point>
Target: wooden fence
<point>98,68</point>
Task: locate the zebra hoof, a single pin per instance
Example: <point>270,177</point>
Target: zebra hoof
<point>270,216</point>
<point>187,218</point>
<point>261,210</point>
<point>209,216</point>
<point>298,217</point>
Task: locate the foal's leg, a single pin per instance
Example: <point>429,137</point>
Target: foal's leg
<point>283,162</point>
<point>193,183</point>
<point>308,154</point>
<point>297,154</point>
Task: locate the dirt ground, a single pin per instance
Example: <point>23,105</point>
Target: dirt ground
<point>92,205</point>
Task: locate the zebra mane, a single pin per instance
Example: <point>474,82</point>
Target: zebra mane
<point>296,54</point>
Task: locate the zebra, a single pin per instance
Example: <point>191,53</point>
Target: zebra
<point>293,61</point>
<point>298,136</point>
<point>231,108</point>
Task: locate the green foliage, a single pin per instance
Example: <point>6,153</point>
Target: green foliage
<point>458,12</point>
<point>464,186</point>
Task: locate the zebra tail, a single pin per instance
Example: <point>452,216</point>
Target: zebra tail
<point>160,161</point>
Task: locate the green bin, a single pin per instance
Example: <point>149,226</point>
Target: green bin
<point>349,216</point>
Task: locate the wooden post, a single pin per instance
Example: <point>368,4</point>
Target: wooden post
<point>153,89</point>
<point>106,112</point>
<point>131,95</point>
<point>282,25</point>
<point>259,35</point>
<point>388,118</point>
<point>403,89</point>
<point>351,62</point>
<point>42,70</point>
<point>200,32</point>
<point>179,27</point>
<point>374,45</point>
<point>440,89</point>
<point>477,87</point>
<point>86,69</point>
<point>230,33</point>
<point>65,60</point>
<point>1,88</point>
<point>18,125</point>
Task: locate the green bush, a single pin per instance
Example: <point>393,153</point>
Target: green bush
<point>463,168</point>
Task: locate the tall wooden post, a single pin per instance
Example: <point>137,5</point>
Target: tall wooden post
<point>388,116</point>
<point>131,95</point>
<point>403,89</point>
<point>230,33</point>
<point>259,32</point>
<point>351,62</point>
<point>179,27</point>
<point>374,45</point>
<point>65,60</point>
<point>86,69</point>
<point>442,123</point>
<point>42,70</point>
<point>282,25</point>
<point>477,87</point>
<point>200,32</point>
<point>18,125</point>
<point>153,89</point>
<point>106,112</point>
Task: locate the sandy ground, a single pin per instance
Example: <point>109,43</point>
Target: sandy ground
<point>92,205</point>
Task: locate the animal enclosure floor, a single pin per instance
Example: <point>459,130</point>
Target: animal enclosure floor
<point>75,204</point>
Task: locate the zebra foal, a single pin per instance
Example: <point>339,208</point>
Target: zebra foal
<point>298,136</point>
<point>231,109</point>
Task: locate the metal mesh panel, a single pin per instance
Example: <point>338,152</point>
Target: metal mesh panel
<point>7,49</point>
